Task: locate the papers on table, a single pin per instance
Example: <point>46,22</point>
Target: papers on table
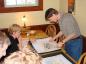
<point>44,45</point>
<point>58,59</point>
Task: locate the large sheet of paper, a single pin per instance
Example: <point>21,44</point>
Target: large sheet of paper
<point>58,59</point>
<point>44,45</point>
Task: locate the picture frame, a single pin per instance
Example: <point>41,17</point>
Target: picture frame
<point>71,6</point>
<point>44,45</point>
<point>56,57</point>
<point>4,9</point>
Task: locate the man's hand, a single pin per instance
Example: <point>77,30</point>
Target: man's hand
<point>60,44</point>
<point>51,39</point>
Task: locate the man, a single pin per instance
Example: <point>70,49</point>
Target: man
<point>69,28</point>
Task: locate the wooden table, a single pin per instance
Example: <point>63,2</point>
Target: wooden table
<point>36,34</point>
<point>26,36</point>
<point>41,34</point>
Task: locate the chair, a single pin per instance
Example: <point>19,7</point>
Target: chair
<point>82,59</point>
<point>51,30</point>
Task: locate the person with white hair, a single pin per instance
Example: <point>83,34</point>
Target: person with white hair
<point>4,43</point>
<point>25,56</point>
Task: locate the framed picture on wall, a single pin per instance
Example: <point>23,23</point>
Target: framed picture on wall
<point>71,6</point>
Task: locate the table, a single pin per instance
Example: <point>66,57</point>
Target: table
<point>36,34</point>
<point>40,34</point>
<point>27,35</point>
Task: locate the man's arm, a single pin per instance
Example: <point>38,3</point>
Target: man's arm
<point>71,36</point>
<point>60,44</point>
<point>58,35</point>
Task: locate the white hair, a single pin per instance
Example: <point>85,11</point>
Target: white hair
<point>23,57</point>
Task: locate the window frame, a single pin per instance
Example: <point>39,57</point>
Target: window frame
<point>3,9</point>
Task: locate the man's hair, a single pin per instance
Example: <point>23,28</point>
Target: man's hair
<point>50,12</point>
<point>14,28</point>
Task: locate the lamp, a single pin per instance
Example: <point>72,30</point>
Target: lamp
<point>24,20</point>
<point>25,28</point>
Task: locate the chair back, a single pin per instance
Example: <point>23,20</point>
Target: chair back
<point>51,30</point>
<point>82,59</point>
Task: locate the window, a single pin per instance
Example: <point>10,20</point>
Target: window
<point>20,5</point>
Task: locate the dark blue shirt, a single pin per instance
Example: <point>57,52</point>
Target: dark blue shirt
<point>13,46</point>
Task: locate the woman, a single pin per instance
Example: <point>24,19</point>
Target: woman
<point>15,39</point>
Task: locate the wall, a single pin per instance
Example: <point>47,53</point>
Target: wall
<point>37,17</point>
<point>33,17</point>
<point>63,5</point>
<point>79,13</point>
